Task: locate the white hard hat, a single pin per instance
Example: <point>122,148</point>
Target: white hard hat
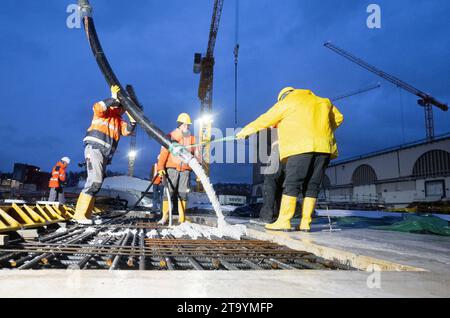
<point>66,159</point>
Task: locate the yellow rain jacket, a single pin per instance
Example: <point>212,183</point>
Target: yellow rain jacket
<point>306,123</point>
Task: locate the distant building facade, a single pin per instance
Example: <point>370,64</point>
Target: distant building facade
<point>29,177</point>
<point>399,176</point>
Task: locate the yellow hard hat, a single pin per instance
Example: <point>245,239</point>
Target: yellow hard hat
<point>284,92</point>
<point>184,119</point>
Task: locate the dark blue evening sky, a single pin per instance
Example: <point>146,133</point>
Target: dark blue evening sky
<point>49,79</point>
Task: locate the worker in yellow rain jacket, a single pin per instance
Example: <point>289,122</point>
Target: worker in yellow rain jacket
<point>306,125</point>
<point>101,141</point>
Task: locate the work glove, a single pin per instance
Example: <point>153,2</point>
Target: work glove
<point>162,173</point>
<point>244,133</point>
<point>114,91</point>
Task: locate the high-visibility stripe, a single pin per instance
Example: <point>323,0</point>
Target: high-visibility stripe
<point>97,140</point>
<point>102,103</point>
<point>101,122</point>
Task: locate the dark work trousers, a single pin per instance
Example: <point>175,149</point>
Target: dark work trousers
<point>304,174</point>
<point>272,192</point>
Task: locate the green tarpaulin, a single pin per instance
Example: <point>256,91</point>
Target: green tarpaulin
<point>426,224</point>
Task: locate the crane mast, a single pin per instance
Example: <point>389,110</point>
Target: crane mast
<point>205,66</point>
<point>427,101</point>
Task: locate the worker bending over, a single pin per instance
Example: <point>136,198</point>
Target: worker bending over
<point>57,181</point>
<point>101,142</point>
<point>306,125</point>
<point>175,171</point>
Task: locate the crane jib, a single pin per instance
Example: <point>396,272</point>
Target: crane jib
<point>425,99</point>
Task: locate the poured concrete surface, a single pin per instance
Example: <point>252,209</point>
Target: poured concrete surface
<point>252,284</point>
<point>409,251</point>
<point>429,252</point>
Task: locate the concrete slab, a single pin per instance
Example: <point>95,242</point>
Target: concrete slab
<point>252,284</point>
<point>429,252</point>
<point>409,252</point>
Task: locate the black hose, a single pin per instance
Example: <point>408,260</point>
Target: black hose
<point>127,103</point>
<point>128,210</point>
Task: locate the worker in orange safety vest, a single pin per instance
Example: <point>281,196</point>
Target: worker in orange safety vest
<point>58,180</point>
<point>174,171</point>
<point>101,141</point>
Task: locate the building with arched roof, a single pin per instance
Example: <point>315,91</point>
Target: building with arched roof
<point>397,176</point>
<point>415,172</point>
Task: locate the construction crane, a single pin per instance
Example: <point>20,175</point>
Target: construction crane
<point>205,66</point>
<point>427,101</point>
<point>236,61</point>
<point>132,153</point>
<point>359,91</point>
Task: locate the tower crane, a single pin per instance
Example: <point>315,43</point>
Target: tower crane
<point>205,67</point>
<point>132,151</point>
<point>359,91</point>
<point>236,62</point>
<point>427,101</point>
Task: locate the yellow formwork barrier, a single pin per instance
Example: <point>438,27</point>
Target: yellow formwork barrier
<point>97,210</point>
<point>50,213</point>
<point>34,215</point>
<point>15,217</point>
<point>64,211</point>
<point>2,226</point>
<point>8,223</point>
<point>55,210</point>
<point>69,210</point>
<point>27,220</point>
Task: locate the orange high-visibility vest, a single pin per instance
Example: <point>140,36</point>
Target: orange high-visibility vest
<point>58,174</point>
<point>107,126</point>
<point>168,160</point>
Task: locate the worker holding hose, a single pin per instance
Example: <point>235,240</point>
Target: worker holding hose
<point>174,171</point>
<point>306,125</point>
<point>101,142</point>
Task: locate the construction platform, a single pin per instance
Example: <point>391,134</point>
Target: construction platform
<point>134,257</point>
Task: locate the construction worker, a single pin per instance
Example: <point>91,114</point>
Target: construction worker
<point>273,182</point>
<point>157,187</point>
<point>306,125</point>
<point>174,171</point>
<point>57,181</point>
<point>101,142</point>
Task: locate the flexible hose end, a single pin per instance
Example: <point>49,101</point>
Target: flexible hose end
<point>179,151</point>
<point>85,8</point>
<point>186,156</point>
